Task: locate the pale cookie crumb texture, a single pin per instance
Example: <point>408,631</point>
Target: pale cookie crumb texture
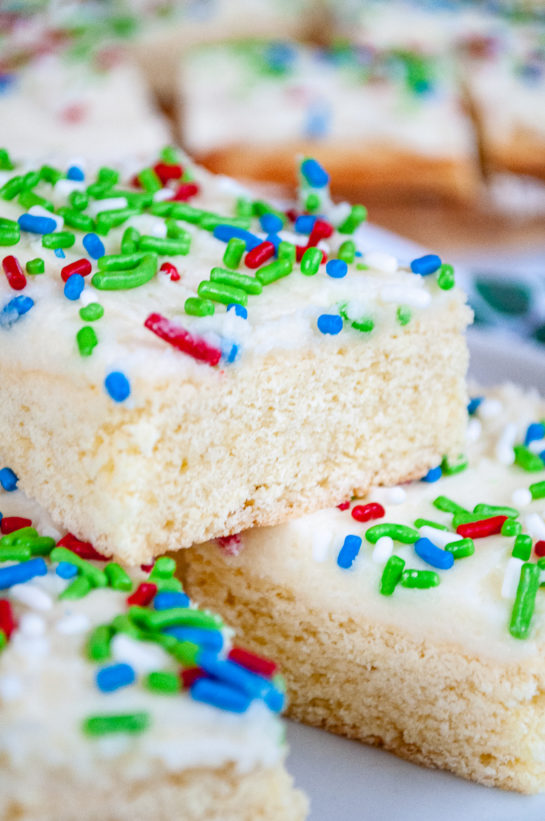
<point>449,676</point>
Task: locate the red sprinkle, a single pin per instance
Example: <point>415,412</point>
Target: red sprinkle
<point>182,340</point>
<point>184,192</point>
<point>14,273</point>
<point>253,662</point>
<point>258,255</point>
<point>320,230</point>
<point>171,270</point>
<point>292,214</point>
<point>167,172</point>
<point>10,524</point>
<point>231,545</point>
<point>147,568</point>
<point>484,527</point>
<point>363,513</point>
<point>7,619</point>
<point>84,550</point>
<point>143,594</point>
<point>344,505</point>
<point>191,675</point>
<point>539,548</point>
<point>80,266</point>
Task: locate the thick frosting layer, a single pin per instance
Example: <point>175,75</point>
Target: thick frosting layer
<point>48,688</point>
<point>472,605</point>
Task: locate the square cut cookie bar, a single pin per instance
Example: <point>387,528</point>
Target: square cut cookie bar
<point>413,619</point>
<point>178,370</point>
<point>115,685</point>
<point>386,122</point>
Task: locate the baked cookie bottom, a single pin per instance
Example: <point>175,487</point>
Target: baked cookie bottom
<point>522,153</point>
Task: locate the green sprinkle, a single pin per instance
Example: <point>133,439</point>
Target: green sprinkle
<point>23,535</point>
<point>182,211</point>
<point>209,221</point>
<point>123,624</point>
<point>525,600</point>
<point>445,277</point>
<point>450,468</point>
<point>35,266</point>
<point>260,207</point>
<point>166,246</point>
<point>158,619</point>
<point>98,643</point>
<point>118,579</point>
<point>400,533</point>
<point>78,589</point>
<point>465,518</point>
<point>15,553</point>
<point>527,460</point>
<point>429,523</point>
<point>421,579</point>
<point>114,279</point>
<point>195,306</point>
<point>287,250</point>
<point>31,179</point>
<point>126,723</point>
<point>164,568</point>
<point>312,203</point>
<point>75,219</point>
<point>496,510</point>
<point>87,340</point>
<point>448,505</point>
<point>537,490</point>
<point>78,200</point>
<point>243,208</point>
<point>175,231</point>
<point>246,283</point>
<point>347,251</point>
<point>91,312</point>
<point>11,188</point>
<point>3,640</point>
<point>169,154</point>
<point>234,252</point>
<point>522,549</point>
<point>511,527</point>
<point>28,198</point>
<point>95,576</point>
<point>163,682</point>
<point>391,575</point>
<point>364,325</point>
<point>111,219</point>
<point>172,585</point>
<point>60,239</point>
<point>107,176</point>
<point>186,653</point>
<point>41,545</point>
<point>358,214</point>
<point>403,315</point>
<point>5,160</point>
<point>274,271</point>
<point>222,293</point>
<point>129,241</point>
<point>9,237</point>
<point>311,261</point>
<point>461,549</point>
<point>50,174</point>
<point>149,180</point>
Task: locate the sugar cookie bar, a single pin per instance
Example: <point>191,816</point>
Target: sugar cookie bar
<point>413,619</point>
<point>117,687</point>
<point>194,361</point>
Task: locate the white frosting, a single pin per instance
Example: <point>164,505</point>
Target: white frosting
<point>471,607</point>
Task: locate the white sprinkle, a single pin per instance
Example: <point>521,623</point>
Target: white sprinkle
<point>439,537</point>
<point>149,224</point>
<point>30,647</point>
<point>489,408</point>
<point>383,550</point>
<point>535,526</point>
<point>386,263</point>
<point>537,446</point>
<point>108,204</point>
<point>63,188</point>
<point>163,194</point>
<point>474,430</point>
<point>521,497</point>
<point>395,495</point>
<point>31,625</point>
<point>321,542</point>
<point>50,531</point>
<point>511,578</point>
<point>11,688</point>
<point>143,656</point>
<point>412,297</point>
<point>40,211</point>
<point>32,596</point>
<point>338,213</point>
<point>72,624</point>
<point>505,444</point>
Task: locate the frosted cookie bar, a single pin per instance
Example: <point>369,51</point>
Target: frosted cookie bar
<point>413,618</point>
<point>117,687</point>
<point>388,122</point>
<point>211,362</point>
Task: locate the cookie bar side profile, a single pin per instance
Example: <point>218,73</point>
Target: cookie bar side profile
<point>401,628</point>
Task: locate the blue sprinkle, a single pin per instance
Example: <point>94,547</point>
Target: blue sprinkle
<point>166,600</point>
<point>6,81</point>
<point>534,433</point>
<point>433,555</point>
<point>314,174</point>
<point>330,324</point>
<point>22,572</point>
<point>239,310</point>
<point>66,570</point>
<point>229,350</point>
<point>94,246</point>
<point>275,239</point>
<point>37,225</point>
<point>220,695</point>
<point>317,120</point>
<point>73,286</point>
<point>433,474</point>
<point>473,404</point>
<point>207,639</point>
<point>336,268</point>
<point>227,232</point>
<point>234,675</point>
<point>15,308</point>
<point>348,552</point>
<point>8,479</point>
<point>304,224</point>
<point>118,386</point>
<point>271,223</point>
<point>115,676</point>
<point>75,173</point>
<point>59,253</point>
<point>426,265</point>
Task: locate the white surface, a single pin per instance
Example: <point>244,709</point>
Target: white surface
<point>351,782</point>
